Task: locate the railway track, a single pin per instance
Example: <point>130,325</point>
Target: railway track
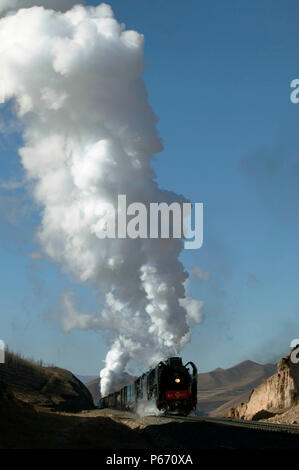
<point>153,419</point>
<point>200,432</point>
<point>284,428</point>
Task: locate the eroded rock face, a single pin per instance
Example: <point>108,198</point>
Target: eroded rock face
<point>274,395</point>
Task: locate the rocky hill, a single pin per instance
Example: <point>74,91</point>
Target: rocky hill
<point>50,387</point>
<point>221,389</point>
<point>277,395</point>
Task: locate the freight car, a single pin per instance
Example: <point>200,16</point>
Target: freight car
<point>171,386</point>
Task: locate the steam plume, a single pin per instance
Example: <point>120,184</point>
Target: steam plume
<point>90,134</point>
<point>61,5</point>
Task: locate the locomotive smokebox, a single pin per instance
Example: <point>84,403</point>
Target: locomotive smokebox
<point>174,362</point>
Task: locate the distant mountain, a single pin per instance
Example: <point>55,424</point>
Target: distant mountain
<point>86,378</point>
<point>222,389</point>
<point>94,388</point>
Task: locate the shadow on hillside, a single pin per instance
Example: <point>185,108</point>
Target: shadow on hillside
<point>23,427</point>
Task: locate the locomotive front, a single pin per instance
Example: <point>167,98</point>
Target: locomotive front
<point>177,386</point>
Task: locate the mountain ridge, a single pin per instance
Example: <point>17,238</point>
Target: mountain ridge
<point>220,389</point>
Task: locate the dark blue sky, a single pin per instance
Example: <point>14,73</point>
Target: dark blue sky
<point>218,76</point>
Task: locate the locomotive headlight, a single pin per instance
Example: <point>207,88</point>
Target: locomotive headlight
<point>177,380</point>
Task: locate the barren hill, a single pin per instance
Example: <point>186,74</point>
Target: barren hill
<point>277,395</point>
<point>222,389</point>
<point>49,387</point>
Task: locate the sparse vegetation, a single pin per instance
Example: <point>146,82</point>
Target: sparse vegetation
<point>43,386</point>
<point>15,357</point>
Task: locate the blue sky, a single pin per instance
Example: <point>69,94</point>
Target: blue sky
<point>218,76</point>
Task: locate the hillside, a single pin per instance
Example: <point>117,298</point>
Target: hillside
<point>23,426</point>
<point>277,395</point>
<point>222,389</point>
<point>50,387</point>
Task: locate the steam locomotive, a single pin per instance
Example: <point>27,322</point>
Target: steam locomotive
<point>171,385</point>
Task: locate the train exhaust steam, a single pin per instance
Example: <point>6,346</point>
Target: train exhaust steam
<point>148,408</point>
<point>89,134</point>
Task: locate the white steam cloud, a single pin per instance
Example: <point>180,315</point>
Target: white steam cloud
<point>60,5</point>
<point>90,134</point>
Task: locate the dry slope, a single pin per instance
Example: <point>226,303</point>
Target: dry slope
<point>221,389</point>
<point>277,394</point>
<point>49,387</point>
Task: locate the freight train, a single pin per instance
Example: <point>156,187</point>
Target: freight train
<point>171,386</point>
